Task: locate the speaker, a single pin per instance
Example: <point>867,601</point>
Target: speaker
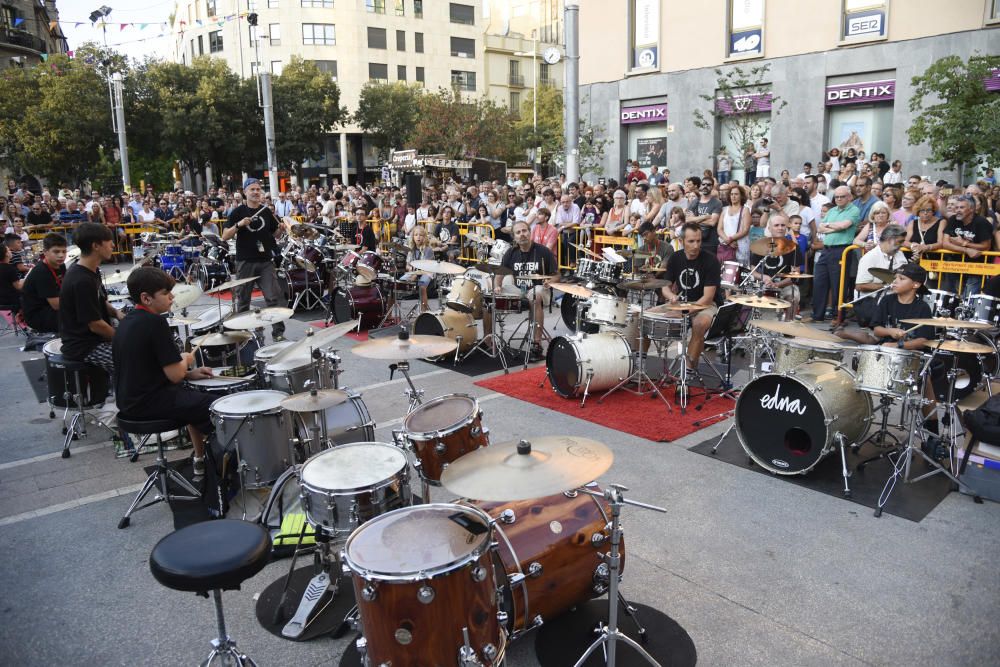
<point>413,194</point>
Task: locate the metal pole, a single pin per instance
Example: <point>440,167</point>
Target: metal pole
<point>268,106</point>
<point>119,110</point>
<point>572,90</point>
<point>534,100</point>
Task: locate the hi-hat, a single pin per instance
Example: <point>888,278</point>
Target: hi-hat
<point>492,269</point>
<point>796,329</point>
<point>185,295</point>
<point>519,470</point>
<point>258,318</point>
<point>301,351</point>
<point>405,348</point>
<point>885,275</point>
<point>433,266</point>
<point>116,278</point>
<point>961,346</point>
<point>754,301</point>
<point>643,284</point>
<point>772,247</point>
<point>221,339</point>
<point>309,402</point>
<point>575,290</point>
<point>948,323</point>
<point>231,285</point>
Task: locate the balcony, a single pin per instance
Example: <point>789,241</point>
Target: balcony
<point>547,81</point>
<point>516,80</point>
<point>22,39</point>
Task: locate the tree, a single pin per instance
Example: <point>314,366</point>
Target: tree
<point>306,108</point>
<point>739,94</point>
<point>954,113</point>
<point>459,127</point>
<point>548,135</point>
<point>388,112</point>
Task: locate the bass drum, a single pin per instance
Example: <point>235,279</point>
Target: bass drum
<point>970,369</point>
<point>365,302</point>
<point>592,363</point>
<point>567,308</point>
<point>460,327</point>
<point>789,423</point>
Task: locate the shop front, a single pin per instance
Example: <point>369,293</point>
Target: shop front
<point>645,130</point>
<point>859,115</point>
<point>743,121</point>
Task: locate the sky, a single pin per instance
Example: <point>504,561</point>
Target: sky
<point>133,41</point>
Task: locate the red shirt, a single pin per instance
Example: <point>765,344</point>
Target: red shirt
<point>545,235</point>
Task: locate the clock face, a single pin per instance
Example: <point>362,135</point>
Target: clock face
<point>551,55</point>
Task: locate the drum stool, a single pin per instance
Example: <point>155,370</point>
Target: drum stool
<point>162,474</point>
<point>8,317</point>
<point>77,397</point>
<point>213,556</point>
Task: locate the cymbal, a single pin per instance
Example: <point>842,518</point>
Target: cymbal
<point>575,290</point>
<point>221,339</point>
<point>400,349</point>
<point>773,247</point>
<point>304,263</point>
<point>493,269</point>
<point>537,276</point>
<point>480,238</point>
<point>232,284</point>
<point>947,323</point>
<point>258,318</point>
<point>885,275</point>
<point>433,266</point>
<point>303,232</point>
<point>346,246</point>
<point>586,250</point>
<point>116,278</point>
<point>185,295</point>
<point>754,301</point>
<point>797,329</point>
<point>644,283</point>
<point>793,276</point>
<point>674,307</point>
<point>962,346</point>
<point>182,321</point>
<point>309,402</point>
<point>652,269</point>
<point>520,470</point>
<point>300,351</point>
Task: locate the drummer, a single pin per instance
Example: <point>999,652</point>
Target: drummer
<point>694,276</point>
<point>150,369</point>
<point>884,256</point>
<point>365,235</point>
<point>659,249</point>
<point>773,268</point>
<point>420,249</point>
<point>40,293</point>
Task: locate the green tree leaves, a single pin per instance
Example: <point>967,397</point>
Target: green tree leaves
<point>388,112</point>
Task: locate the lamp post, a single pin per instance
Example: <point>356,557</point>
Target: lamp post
<point>115,93</point>
<point>267,106</point>
<point>572,16</point>
<point>534,96</point>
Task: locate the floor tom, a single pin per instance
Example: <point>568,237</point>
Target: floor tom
<point>254,425</point>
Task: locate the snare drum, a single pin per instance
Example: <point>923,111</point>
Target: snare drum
<point>255,424</point>
<point>607,309</point>
<point>369,264</point>
<point>790,353</point>
<point>466,295</point>
<point>587,269</point>
<point>733,274</point>
<point>442,430</point>
<point>507,300</point>
<point>886,370</point>
<point>660,327</point>
<point>343,487</point>
<point>610,272</point>
<point>262,356</point>
<point>460,327</point>
<point>591,363</point>
<point>425,585</point>
<point>222,385</point>
<point>365,302</point>
<point>983,308</point>
<point>942,303</point>
<point>555,544</point>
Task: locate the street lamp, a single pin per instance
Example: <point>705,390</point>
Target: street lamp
<point>534,95</point>
<point>115,93</point>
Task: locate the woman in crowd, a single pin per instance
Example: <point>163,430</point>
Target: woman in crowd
<point>95,213</point>
<point>654,200</point>
<point>834,161</point>
<point>614,220</point>
<point>734,228</point>
<point>113,211</point>
<point>905,213</point>
<point>879,217</point>
<point>756,194</point>
<point>808,216</point>
<point>847,174</point>
<point>925,232</point>
<point>891,197</point>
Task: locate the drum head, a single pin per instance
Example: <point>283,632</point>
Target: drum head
<point>423,539</point>
<point>53,347</point>
<point>563,366</point>
<point>352,467</point>
<point>440,414</point>
<point>268,351</point>
<point>781,424</point>
<point>428,324</point>
<point>249,402</point>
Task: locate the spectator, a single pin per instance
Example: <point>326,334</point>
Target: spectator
<point>705,211</point>
<point>543,233</point>
<point>763,158</point>
<point>879,217</point>
<point>969,235</point>
<point>924,232</point>
<point>864,199</point>
<point>724,165</point>
<point>10,283</point>
<point>734,232</point>
<point>616,217</point>
<point>839,227</point>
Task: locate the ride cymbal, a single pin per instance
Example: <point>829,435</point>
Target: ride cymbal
<point>575,290</point>
<point>232,284</point>
<point>258,318</point>
<point>754,301</point>
<point>885,275</point>
<point>961,346</point>
<point>772,247</point>
<point>433,266</point>
<point>300,351</point>
<point>643,284</point>
<point>492,269</point>
<point>221,339</point>
<point>405,348</point>
<point>309,402</point>
<point>185,295</point>
<point>797,329</point>
<point>947,323</point>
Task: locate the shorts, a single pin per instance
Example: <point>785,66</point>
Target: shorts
<point>177,403</point>
<point>763,170</point>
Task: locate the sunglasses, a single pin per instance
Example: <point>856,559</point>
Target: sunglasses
<point>926,210</point>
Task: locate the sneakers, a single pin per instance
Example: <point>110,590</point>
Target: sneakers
<point>199,466</point>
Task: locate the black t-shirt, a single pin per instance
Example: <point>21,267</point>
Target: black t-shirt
<point>538,259</point>
<point>143,345</point>
<point>82,300</point>
<point>709,234</point>
<point>692,276</point>
<point>977,231</point>
<point>8,293</point>
<point>366,238</point>
<point>254,246</point>
<point>775,265</point>
<point>890,311</point>
<point>43,217</point>
<point>992,287</point>
<point>452,232</point>
<point>39,286</point>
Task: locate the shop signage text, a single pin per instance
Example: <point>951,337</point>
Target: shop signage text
<point>860,93</point>
<point>650,113</point>
<point>755,103</point>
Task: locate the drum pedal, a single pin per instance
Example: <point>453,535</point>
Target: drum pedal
<point>317,588</point>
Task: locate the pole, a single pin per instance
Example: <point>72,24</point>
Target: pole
<point>572,90</point>
<point>267,105</point>
<point>534,100</point>
<point>118,108</point>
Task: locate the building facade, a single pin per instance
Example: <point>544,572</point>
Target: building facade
<point>29,31</point>
<point>840,73</point>
<point>466,45</point>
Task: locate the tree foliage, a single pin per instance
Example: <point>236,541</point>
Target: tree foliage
<point>388,112</point>
<point>548,136</point>
<point>306,108</point>
<point>954,113</point>
<point>462,127</point>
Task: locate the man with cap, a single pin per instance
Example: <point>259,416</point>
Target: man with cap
<point>903,302</point>
<point>255,228</point>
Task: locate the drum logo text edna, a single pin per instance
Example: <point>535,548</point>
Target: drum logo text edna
<point>773,402</point>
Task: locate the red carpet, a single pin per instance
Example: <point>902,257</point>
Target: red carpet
<point>639,415</point>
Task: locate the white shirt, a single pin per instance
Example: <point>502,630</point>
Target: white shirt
<point>892,177</point>
<point>876,259</point>
<point>817,201</point>
<point>283,208</point>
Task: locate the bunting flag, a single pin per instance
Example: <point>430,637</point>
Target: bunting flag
<point>125,25</point>
<point>142,26</point>
<point>77,24</point>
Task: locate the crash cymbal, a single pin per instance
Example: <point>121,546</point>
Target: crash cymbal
<point>399,247</point>
<point>258,318</point>
<point>645,283</point>
<point>480,238</point>
<point>961,346</point>
<point>753,301</point>
<point>310,402</point>
<point>116,277</point>
<point>433,266</point>
<point>531,468</point>
<point>793,276</point>
<point>575,290</point>
<point>652,269</point>
<point>885,275</point>
<point>185,295</point>
<point>405,347</point>
<point>300,351</point>
<point>586,250</point>
<point>492,269</point>
<point>232,284</point>
<point>773,247</point>
<point>669,308</point>
<point>796,329</point>
<point>304,263</point>
<point>304,232</point>
<point>221,339</point>
<point>182,321</point>
<point>947,323</point>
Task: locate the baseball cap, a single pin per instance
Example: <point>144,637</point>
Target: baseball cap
<point>914,272</point>
<point>250,181</point>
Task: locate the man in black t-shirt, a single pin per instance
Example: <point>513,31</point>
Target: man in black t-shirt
<point>10,282</point>
<point>40,293</point>
<point>148,386</point>
<point>968,234</point>
<point>255,228</point>
<point>364,235</point>
<point>694,275</point>
<point>446,232</point>
<point>773,268</point>
<point>706,211</point>
<point>85,316</point>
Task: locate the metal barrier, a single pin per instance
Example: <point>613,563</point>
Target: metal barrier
<point>469,253</point>
<point>591,238</point>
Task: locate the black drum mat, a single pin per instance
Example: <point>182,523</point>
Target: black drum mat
<point>477,364</point>
<point>276,605</point>
<point>908,501</point>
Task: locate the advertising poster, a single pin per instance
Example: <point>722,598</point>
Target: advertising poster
<point>652,151</point>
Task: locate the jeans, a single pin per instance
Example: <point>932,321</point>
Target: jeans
<point>827,277</point>
<point>971,284</point>
<point>722,177</point>
<point>267,278</point>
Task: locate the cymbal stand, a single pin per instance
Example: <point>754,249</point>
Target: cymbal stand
<point>414,395</point>
<point>639,376</point>
<point>756,337</point>
<point>308,295</point>
<point>395,314</point>
<point>680,381</point>
<point>531,321</point>
<point>495,338</point>
<point>610,635</point>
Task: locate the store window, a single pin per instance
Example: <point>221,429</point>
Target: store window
<point>644,24</point>
<point>646,130</point>
<point>859,115</point>
<point>863,21</point>
<point>745,37</point>
<point>743,121</point>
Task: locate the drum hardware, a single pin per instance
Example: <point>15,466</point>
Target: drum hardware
<point>307,296</point>
<point>493,344</point>
<point>531,295</point>
<point>402,350</point>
